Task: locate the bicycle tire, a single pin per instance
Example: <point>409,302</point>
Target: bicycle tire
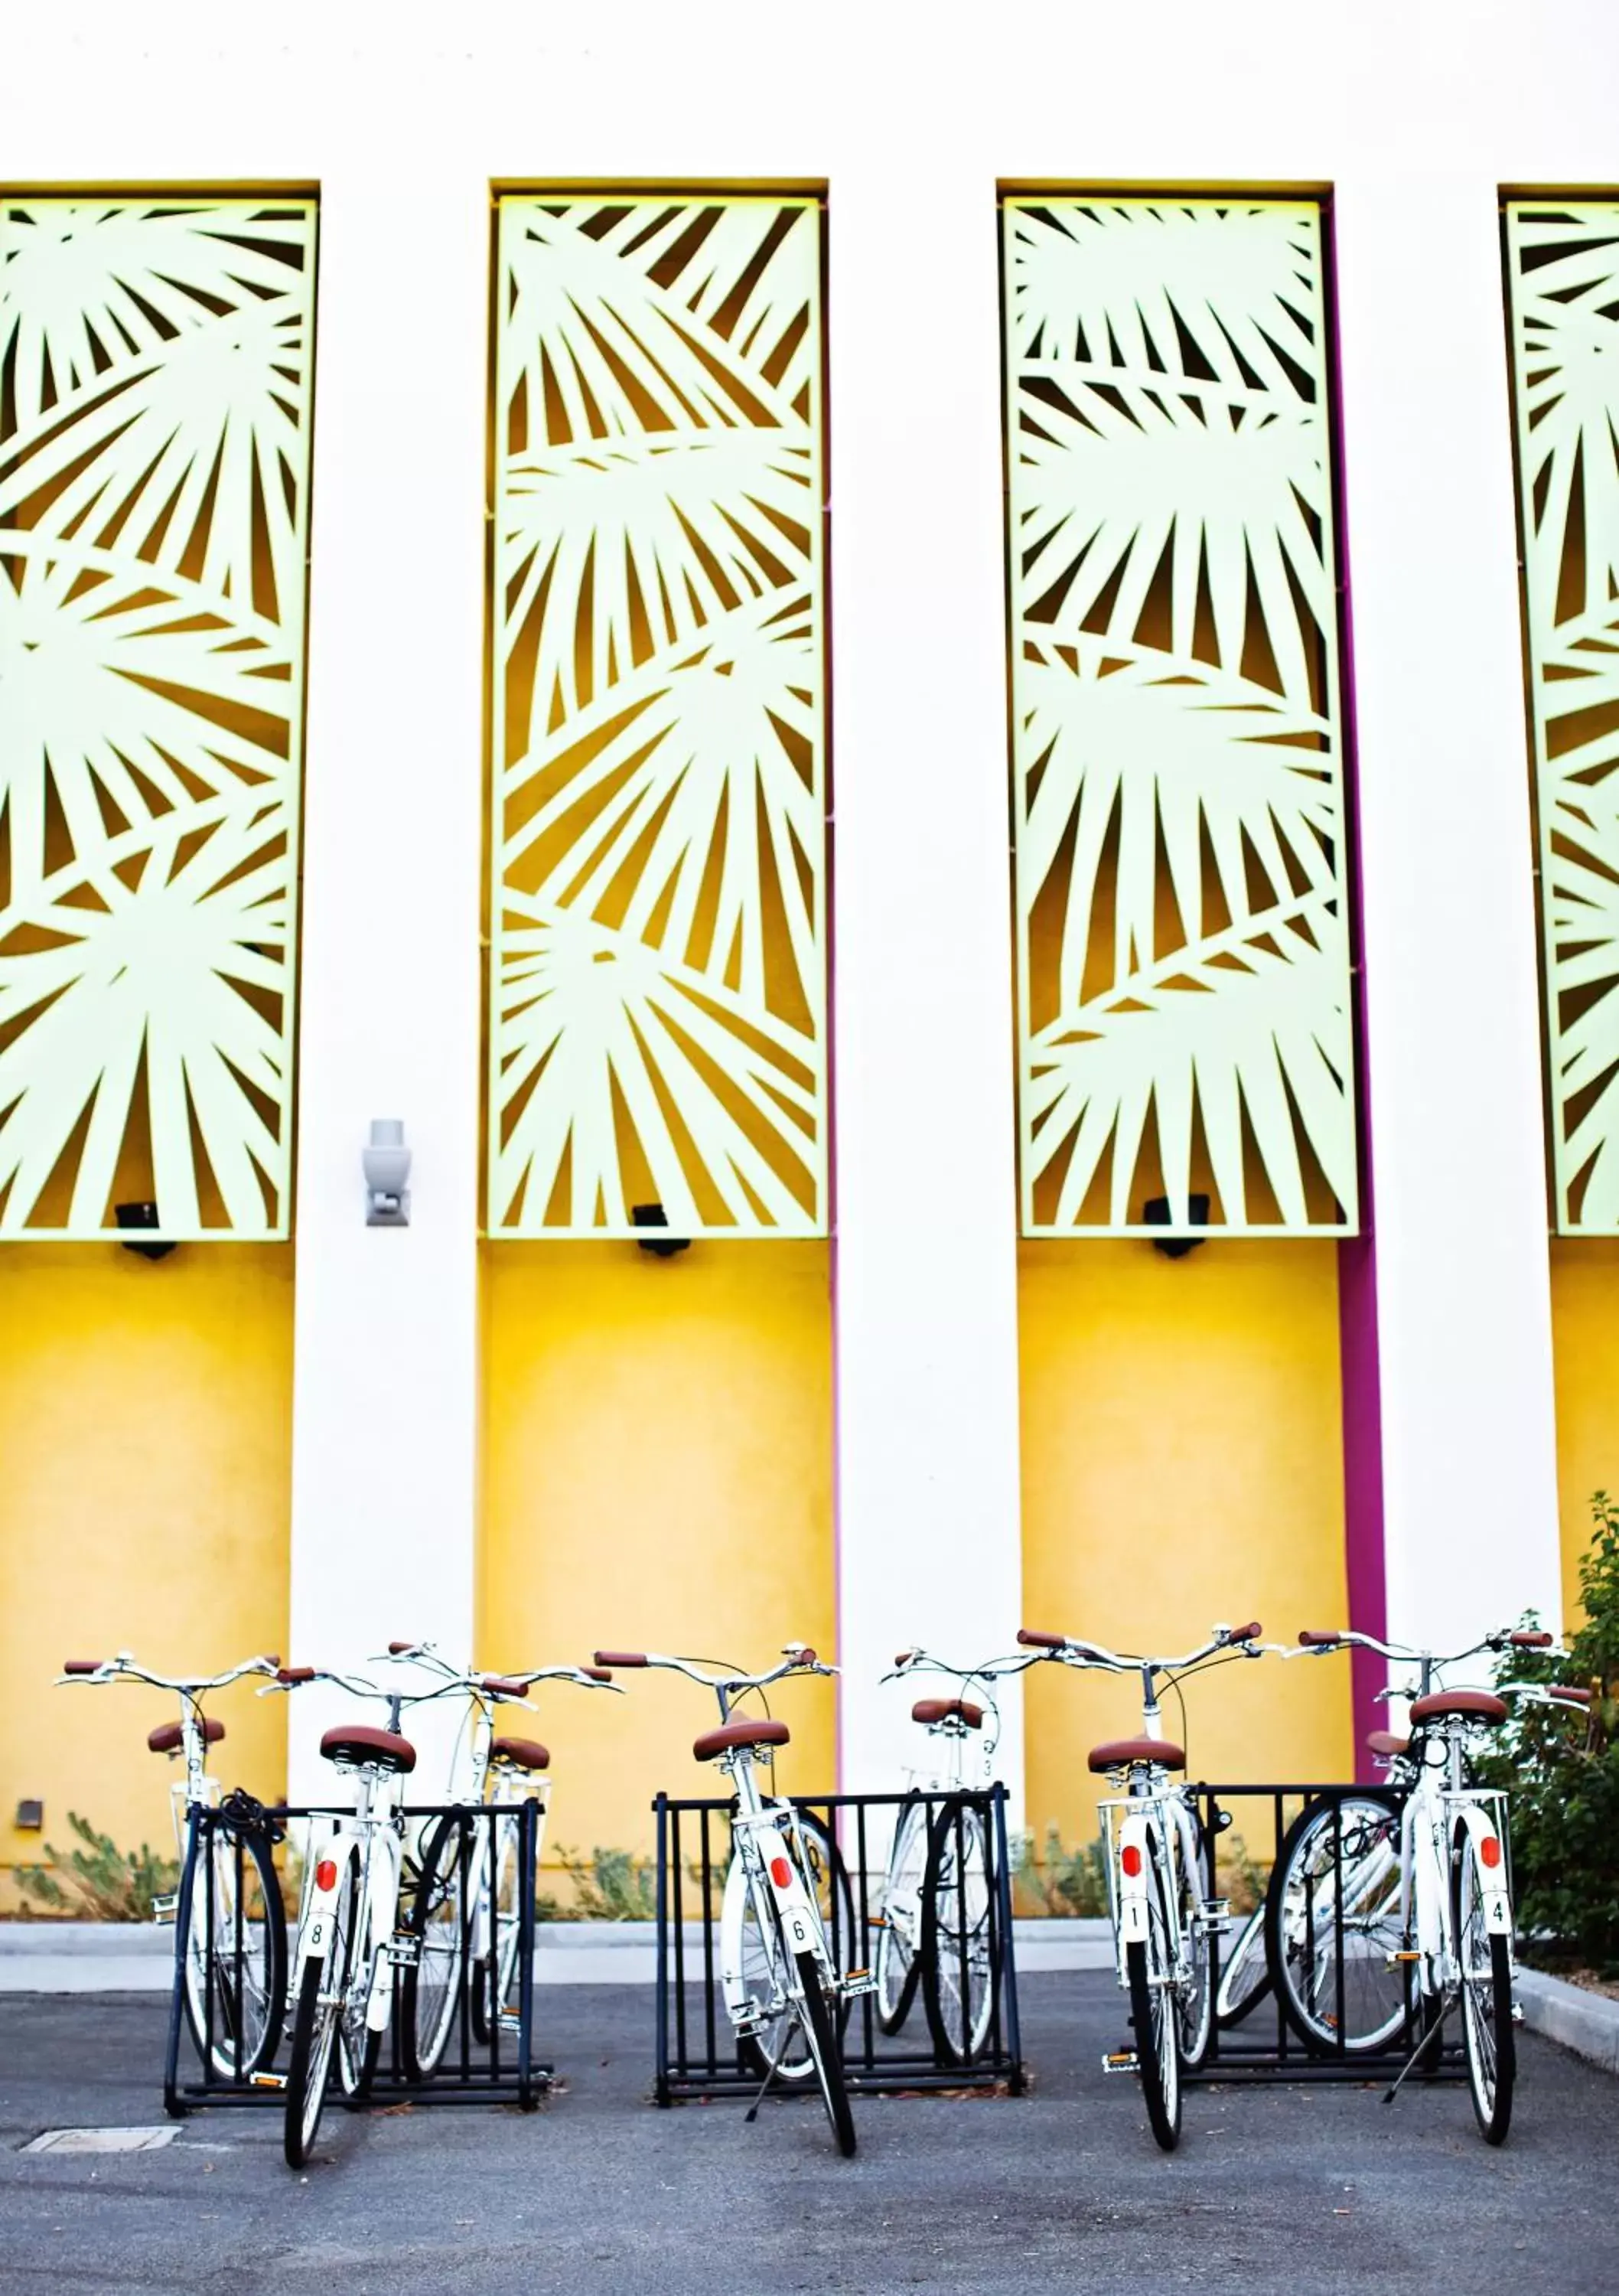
<point>898,1962</point>
<point>491,1978</point>
<point>759,2054</point>
<point>1488,2042</point>
<point>1160,2069</point>
<point>1245,1974</point>
<point>1374,2014</point>
<point>1195,2008</point>
<point>825,2048</point>
<point>315,2032</point>
<point>958,2017</point>
<point>260,2035</point>
<point>434,1989</point>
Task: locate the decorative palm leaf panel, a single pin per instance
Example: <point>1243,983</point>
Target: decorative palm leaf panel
<point>155,477</point>
<point>1183,968</point>
<point>1562,292</point>
<point>658,966</point>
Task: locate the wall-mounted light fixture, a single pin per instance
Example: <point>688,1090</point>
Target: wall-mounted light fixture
<point>29,1817</point>
<point>1154,1213</point>
<point>386,1161</point>
<point>141,1216</point>
<point>664,1247</point>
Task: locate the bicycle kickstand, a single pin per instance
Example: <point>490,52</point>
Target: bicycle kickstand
<point>1430,2035</point>
<point>760,2094</point>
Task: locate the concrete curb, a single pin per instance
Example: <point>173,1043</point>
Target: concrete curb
<point>1587,2023</point>
<point>138,1957</point>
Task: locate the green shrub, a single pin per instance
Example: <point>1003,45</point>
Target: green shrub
<point>103,1882</point>
<point>1562,1775</point>
<point>1060,1881</point>
<point>611,1886</point>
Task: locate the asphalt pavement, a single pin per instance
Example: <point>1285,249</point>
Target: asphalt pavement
<point>1295,2189</point>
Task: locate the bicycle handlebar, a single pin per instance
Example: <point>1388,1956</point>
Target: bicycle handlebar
<point>1241,1640</point>
<point>289,1678</point>
<point>503,1688</point>
<point>798,1659</point>
<point>122,1667</point>
<point>1502,1638</point>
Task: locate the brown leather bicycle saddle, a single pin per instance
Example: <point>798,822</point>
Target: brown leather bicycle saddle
<point>1119,1753</point>
<point>731,1734</point>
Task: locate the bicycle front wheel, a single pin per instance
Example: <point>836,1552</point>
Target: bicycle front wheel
<point>899,1941</point>
<point>236,1955</point>
<point>1245,1974</point>
<point>1333,1925</point>
<point>820,2029</point>
<point>1194,1979</point>
<point>960,1972</point>
<point>1485,1965</point>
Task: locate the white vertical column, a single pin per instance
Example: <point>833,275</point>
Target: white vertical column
<point>1464,1315</point>
<point>384,1402</point>
<point>925,1263</point>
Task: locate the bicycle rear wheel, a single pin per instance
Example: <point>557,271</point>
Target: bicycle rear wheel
<point>432,1990</point>
<point>235,1954</point>
<point>1333,1925</point>
<point>1485,1962</point>
<point>1194,1988</point>
<point>322,1992</point>
<point>780,2044</point>
<point>1148,1976</point>
<point>1245,1974</point>
<point>960,1973</point>
<point>821,2029</point>
<point>899,1941</point>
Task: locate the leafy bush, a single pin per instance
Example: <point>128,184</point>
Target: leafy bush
<point>611,1886</point>
<point>1562,1775</point>
<point>1060,1881</point>
<point>103,1882</point>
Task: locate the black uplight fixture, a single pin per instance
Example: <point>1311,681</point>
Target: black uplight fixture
<point>134,1217</point>
<point>1154,1213</point>
<point>663,1247</point>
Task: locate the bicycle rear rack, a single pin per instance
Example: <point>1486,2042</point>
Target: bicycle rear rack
<point>1258,2044</point>
<point>500,2069</point>
<point>696,2051</point>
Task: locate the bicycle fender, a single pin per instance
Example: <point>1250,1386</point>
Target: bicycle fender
<point>1133,1833</point>
<point>315,1936</point>
<point>1491,1853</point>
<point>798,1917</point>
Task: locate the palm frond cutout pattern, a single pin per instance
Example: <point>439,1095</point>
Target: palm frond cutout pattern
<point>658,968</point>
<point>1183,971</point>
<point>1563,288</point>
<point>154,483</point>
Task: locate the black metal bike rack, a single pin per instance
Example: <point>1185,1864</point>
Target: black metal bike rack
<point>500,2069</point>
<point>697,2053</point>
<point>1257,2042</point>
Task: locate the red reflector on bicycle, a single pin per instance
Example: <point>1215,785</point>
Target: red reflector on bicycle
<point>326,1874</point>
<point>1130,1859</point>
<point>780,1872</point>
<point>1490,1850</point>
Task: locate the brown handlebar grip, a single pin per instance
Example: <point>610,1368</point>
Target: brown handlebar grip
<point>81,1665</point>
<point>596,1673</point>
<point>397,1650</point>
<point>1570,1691</point>
<point>903,1658</point>
<point>1530,1638</point>
<point>1031,1640</point>
<point>1248,1634</point>
<point>621,1658</point>
<point>291,1674</point>
<point>805,1657</point>
<point>272,1658</point>
<point>499,1687</point>
<point>1310,1639</point>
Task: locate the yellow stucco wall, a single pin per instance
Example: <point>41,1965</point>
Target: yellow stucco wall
<point>145,1450</point>
<point>1585,1344</point>
<point>1183,1464</point>
<point>657,1472</point>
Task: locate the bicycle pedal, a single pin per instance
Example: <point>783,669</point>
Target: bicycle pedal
<point>1121,2061</point>
<point>1399,1960</point>
<point>856,1982</point>
<point>266,2080</point>
<point>404,1951</point>
<point>166,1911</point>
<point>879,1922</point>
<point>1518,2013</point>
<point>510,2022</point>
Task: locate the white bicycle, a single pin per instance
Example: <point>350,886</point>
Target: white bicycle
<point>936,1926</point>
<point>786,1991</point>
<point>1435,1891</point>
<point>467,1902</point>
<point>234,1950</point>
<point>1160,1875</point>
